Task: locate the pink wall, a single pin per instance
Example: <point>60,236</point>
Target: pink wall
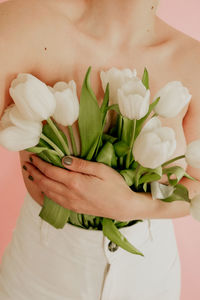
<point>185,16</point>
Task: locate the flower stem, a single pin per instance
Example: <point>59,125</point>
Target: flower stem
<point>131,145</point>
<point>46,139</point>
<point>59,136</point>
<point>75,152</point>
<point>172,160</point>
<point>121,161</point>
<point>120,126</point>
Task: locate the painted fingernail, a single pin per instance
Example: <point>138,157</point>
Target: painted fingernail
<point>30,177</point>
<point>30,158</point>
<point>25,168</point>
<point>67,160</point>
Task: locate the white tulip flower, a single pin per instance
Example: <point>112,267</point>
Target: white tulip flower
<point>16,133</point>
<point>173,97</point>
<point>192,154</point>
<point>67,103</point>
<point>195,207</point>
<point>161,191</point>
<point>16,139</point>
<point>152,124</point>
<point>133,99</point>
<point>116,78</point>
<point>5,119</point>
<point>153,148</point>
<point>32,97</point>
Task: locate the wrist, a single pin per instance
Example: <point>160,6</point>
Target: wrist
<point>141,205</point>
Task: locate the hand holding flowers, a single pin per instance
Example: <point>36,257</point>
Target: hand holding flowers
<point>138,152</point>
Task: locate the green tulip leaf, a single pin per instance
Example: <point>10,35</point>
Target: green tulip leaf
<point>104,106</point>
<point>114,107</point>
<point>40,149</point>
<point>139,123</point>
<point>107,155</point>
<point>108,138</point>
<point>149,178</point>
<point>149,174</point>
<point>120,224</point>
<point>190,177</point>
<point>88,221</point>
<point>114,235</point>
<point>180,193</point>
<point>54,214</point>
<point>145,78</point>
<point>48,131</point>
<point>76,219</point>
<point>145,187</point>
<point>177,171</point>
<point>98,144</point>
<point>129,176</point>
<point>90,118</point>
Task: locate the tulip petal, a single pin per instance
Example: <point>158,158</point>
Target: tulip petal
<point>192,154</point>
<point>17,139</point>
<point>195,207</point>
<point>33,98</point>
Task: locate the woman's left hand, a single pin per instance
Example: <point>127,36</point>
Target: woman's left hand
<point>84,187</point>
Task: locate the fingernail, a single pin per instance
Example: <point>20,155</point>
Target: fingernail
<point>30,177</point>
<point>24,167</point>
<point>67,160</point>
<point>30,158</point>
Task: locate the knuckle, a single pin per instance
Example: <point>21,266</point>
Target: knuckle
<point>42,181</point>
<point>102,168</point>
<point>47,171</point>
<point>74,207</point>
<point>73,183</point>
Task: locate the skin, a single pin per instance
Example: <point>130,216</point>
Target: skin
<point>103,34</point>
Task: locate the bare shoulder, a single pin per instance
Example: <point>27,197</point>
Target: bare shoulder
<point>186,58</point>
<point>21,31</point>
<point>21,21</point>
<point>188,66</point>
<point>185,61</point>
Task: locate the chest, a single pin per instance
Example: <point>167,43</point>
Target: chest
<point>68,55</point>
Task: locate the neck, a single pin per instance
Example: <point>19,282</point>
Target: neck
<point>134,20</point>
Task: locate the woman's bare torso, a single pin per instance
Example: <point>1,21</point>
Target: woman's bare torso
<point>62,52</point>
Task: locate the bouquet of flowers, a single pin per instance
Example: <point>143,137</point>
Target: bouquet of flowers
<point>137,146</point>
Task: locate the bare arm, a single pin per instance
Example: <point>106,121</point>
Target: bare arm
<point>144,206</point>
<point>18,35</point>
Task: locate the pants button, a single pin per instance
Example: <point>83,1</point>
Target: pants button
<point>112,247</point>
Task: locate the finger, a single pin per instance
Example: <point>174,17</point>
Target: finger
<point>84,166</point>
<point>46,184</point>
<point>58,174</point>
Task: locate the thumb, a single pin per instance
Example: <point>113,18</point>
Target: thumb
<point>83,166</point>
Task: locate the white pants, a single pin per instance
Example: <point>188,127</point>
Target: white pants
<point>43,263</point>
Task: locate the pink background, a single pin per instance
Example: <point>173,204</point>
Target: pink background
<point>185,16</point>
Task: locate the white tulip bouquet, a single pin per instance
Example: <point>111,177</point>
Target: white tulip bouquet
<point>137,146</point>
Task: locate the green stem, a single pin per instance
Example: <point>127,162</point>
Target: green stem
<point>121,161</point>
<point>46,139</point>
<point>172,160</point>
<point>120,126</point>
<point>75,152</point>
<point>131,145</point>
<point>59,136</point>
